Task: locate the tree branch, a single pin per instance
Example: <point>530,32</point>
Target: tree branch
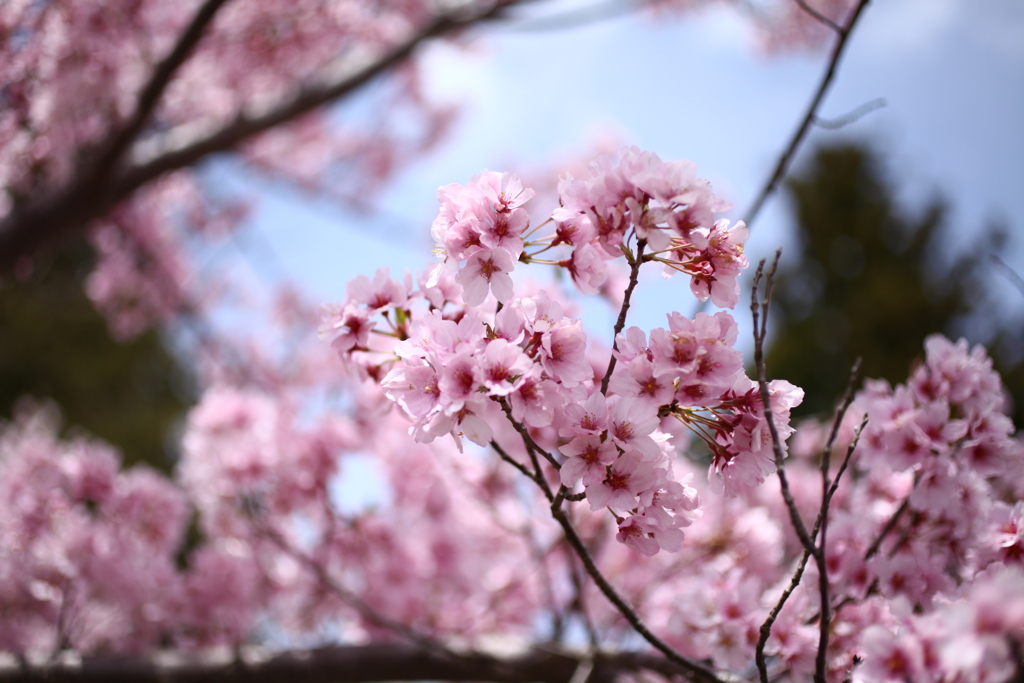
<point>827,494</point>
<point>338,664</point>
<point>809,116</point>
<point>86,196</point>
<point>427,643</point>
<point>694,670</point>
<point>759,312</point>
<point>161,77</point>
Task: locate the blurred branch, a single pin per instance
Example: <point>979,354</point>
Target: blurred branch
<point>161,77</point>
<point>801,132</point>
<point>576,18</point>
<point>852,116</point>
<point>1010,273</point>
<point>90,195</point>
<point>820,17</point>
<point>423,641</point>
<point>69,208</point>
<point>340,664</point>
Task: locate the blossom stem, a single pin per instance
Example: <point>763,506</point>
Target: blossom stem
<point>634,273</point>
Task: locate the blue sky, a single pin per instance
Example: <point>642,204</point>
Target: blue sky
<point>951,71</point>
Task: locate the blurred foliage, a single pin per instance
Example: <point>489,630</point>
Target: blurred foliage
<point>870,280</point>
<point>56,346</point>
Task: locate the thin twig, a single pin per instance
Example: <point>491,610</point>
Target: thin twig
<point>766,627</point>
<point>1010,273</point>
<point>852,116</point>
<point>890,525</point>
<point>634,273</point>
<point>365,611</point>
<point>837,421</point>
<point>809,116</point>
<point>829,492</point>
<point>510,460</point>
<point>846,459</point>
<point>531,445</point>
<point>759,312</point>
<point>697,671</point>
<point>820,17</point>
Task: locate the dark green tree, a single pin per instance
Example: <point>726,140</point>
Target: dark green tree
<point>870,280</point>
<point>56,346</point>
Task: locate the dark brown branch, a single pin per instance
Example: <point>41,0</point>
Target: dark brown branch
<point>825,611</point>
<point>531,446</point>
<point>634,273</point>
<point>759,312</point>
<point>766,627</point>
<point>70,209</point>
<point>809,117</point>
<point>339,664</point>
<point>819,523</point>
<point>154,90</point>
<point>694,670</point>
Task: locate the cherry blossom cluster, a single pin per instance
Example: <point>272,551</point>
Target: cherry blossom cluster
<point>912,584</point>
<point>482,223</point>
<point>692,372</point>
<point>975,637</point>
<point>932,525</point>
<point>942,446</point>
<point>468,365</point>
<point>102,560</point>
<point>662,203</point>
<point>89,553</point>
